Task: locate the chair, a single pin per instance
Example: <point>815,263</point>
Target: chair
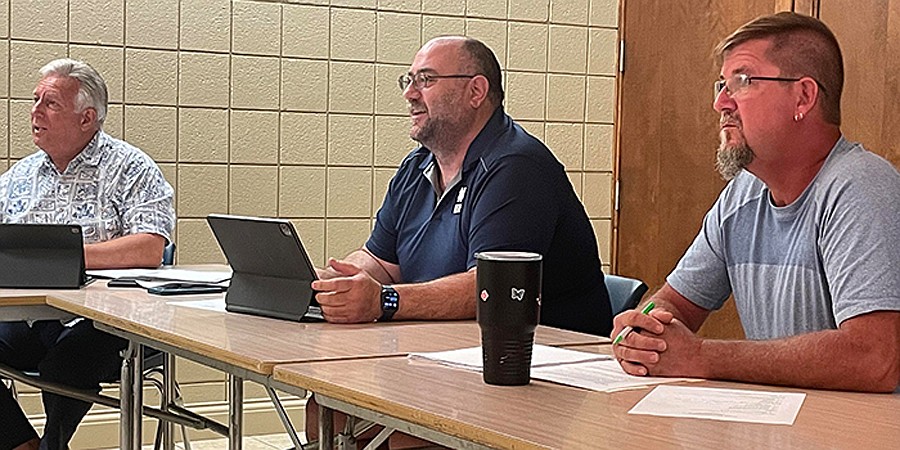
<point>624,293</point>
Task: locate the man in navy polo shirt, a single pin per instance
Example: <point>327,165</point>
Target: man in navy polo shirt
<point>478,182</point>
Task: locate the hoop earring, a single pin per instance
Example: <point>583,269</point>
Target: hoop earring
<point>798,117</point>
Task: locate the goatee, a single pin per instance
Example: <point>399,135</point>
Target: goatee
<point>732,158</point>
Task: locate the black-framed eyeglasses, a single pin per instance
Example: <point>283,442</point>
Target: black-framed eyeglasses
<point>739,81</point>
<point>423,80</point>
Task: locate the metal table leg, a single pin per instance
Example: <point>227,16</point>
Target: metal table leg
<point>131,398</point>
<point>235,411</point>
<point>326,428</point>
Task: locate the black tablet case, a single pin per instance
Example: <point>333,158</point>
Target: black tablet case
<point>41,256</point>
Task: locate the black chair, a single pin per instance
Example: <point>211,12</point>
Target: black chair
<point>624,293</point>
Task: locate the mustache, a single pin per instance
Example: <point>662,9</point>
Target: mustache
<point>729,118</point>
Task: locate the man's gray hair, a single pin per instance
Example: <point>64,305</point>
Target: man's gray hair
<point>91,86</point>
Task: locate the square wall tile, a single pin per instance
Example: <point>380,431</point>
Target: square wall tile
<point>352,87</point>
<point>343,236</point>
<point>525,95</point>
<point>368,4</point>
<point>4,134</point>
<point>312,231</point>
<point>302,192</point>
<point>350,140</point>
<point>304,85</point>
<point>256,28</point>
<point>353,34</point>
<point>25,60</point>
<point>97,21</point>
<point>115,121</point>
<point>170,174</point>
<point>605,13</point>
<point>566,142</point>
<point>601,95</point>
<point>530,10</point>
<point>254,191</point>
<point>382,182</point>
<point>349,190</point>
<point>152,23</point>
<point>303,138</point>
<point>202,135</point>
<point>254,82</point>
<point>398,37</point>
<point>527,46</point>
<point>153,129</point>
<point>109,62</point>
<point>565,94</point>
<point>434,26</point>
<point>598,148</point>
<point>597,197</point>
<point>388,97</point>
<point>196,245</point>
<point>603,231</point>
<point>535,129</point>
<point>254,137</point>
<point>568,49</point>
<point>495,9</point>
<point>306,31</point>
<point>4,18</point>
<point>206,25</point>
<point>448,7</point>
<point>203,79</point>
<point>43,20</point>
<point>400,5</point>
<point>20,141</point>
<point>202,190</point>
<point>151,77</point>
<point>392,142</point>
<point>575,181</point>
<point>4,68</point>
<point>492,33</point>
<point>569,11</point>
<point>603,56</point>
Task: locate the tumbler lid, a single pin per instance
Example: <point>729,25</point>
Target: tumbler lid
<point>508,256</point>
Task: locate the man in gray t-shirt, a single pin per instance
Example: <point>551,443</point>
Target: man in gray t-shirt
<point>806,235</point>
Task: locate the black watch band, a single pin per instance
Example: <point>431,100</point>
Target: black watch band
<point>390,302</point>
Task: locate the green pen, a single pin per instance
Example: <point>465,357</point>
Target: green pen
<point>625,331</point>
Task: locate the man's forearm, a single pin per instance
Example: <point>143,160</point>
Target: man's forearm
<point>448,298</point>
<point>136,250</point>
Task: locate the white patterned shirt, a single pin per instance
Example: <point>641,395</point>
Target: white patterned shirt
<point>111,189</point>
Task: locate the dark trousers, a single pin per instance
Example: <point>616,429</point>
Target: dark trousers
<point>79,356</point>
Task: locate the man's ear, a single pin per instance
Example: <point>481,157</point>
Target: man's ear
<point>809,95</point>
<point>88,118</point>
<point>478,88</point>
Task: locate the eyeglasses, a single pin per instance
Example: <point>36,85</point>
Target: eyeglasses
<point>423,80</point>
<point>740,81</point>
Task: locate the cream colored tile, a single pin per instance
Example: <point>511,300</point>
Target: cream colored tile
<point>170,173</point>
<point>302,192</point>
<point>153,129</point>
<point>486,8</point>
<point>303,138</point>
<point>254,137</point>
<point>306,31</point>
<point>535,129</point>
<point>525,95</point>
<point>601,96</point>
<point>304,85</point>
<point>492,33</point>
<point>575,181</point>
<point>345,235</point>
<point>206,25</point>
<point>566,142</point>
<point>565,98</point>
<point>598,195</point>
<point>350,140</point>
<point>527,46</point>
<point>382,182</point>
<point>20,142</point>
<point>43,20</point>
<point>312,233</point>
<point>197,245</point>
<point>254,82</point>
<point>203,79</point>
<point>256,28</point>
<point>598,151</point>
<point>254,191</point>
<point>353,34</point>
<point>603,54</point>
<point>392,142</point>
<point>97,21</point>
<point>388,97</point>
<point>398,37</point>
<point>203,135</point>
<point>352,87</point>
<point>151,77</point>
<point>603,231</point>
<point>109,62</point>
<point>605,13</point>
<point>450,7</point>
<point>25,60</point>
<point>369,4</point>
<point>202,190</point>
<point>152,23</point>
<point>4,18</point>
<point>569,11</point>
<point>434,26</point>
<point>531,10</point>
<point>4,136</point>
<point>349,190</point>
<point>568,49</point>
<point>115,121</point>
<point>4,68</point>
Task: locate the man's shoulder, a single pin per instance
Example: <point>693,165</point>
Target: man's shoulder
<point>851,170</point>
<point>115,149</point>
<point>27,164</point>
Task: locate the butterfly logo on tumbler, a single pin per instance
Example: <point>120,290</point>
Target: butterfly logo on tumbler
<point>518,294</point>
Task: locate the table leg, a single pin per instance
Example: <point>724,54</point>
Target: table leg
<point>326,428</point>
<point>235,411</point>
<point>168,396</point>
<point>131,397</point>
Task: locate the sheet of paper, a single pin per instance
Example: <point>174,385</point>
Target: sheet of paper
<point>201,276</point>
<point>730,405</point>
<point>604,376</point>
<point>541,355</point>
<point>151,284</point>
<point>216,304</point>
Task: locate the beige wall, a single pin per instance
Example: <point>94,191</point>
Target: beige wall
<point>291,108</point>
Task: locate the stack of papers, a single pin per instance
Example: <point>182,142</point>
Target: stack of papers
<point>559,365</point>
<point>152,277</point>
<point>731,405</point>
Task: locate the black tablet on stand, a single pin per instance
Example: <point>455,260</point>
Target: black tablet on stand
<point>41,256</point>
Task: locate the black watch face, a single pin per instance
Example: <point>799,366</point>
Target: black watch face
<point>390,299</point>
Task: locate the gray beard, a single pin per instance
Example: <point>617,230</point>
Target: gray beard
<point>731,159</point>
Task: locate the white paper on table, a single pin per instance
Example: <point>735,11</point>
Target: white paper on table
<point>541,355</point>
<point>199,276</point>
<point>216,304</point>
<point>152,284</point>
<point>730,405</point>
<point>604,376</point>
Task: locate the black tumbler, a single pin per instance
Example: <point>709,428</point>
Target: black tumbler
<point>509,303</point>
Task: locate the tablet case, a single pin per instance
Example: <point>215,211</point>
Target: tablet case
<point>41,256</point>
<point>271,269</point>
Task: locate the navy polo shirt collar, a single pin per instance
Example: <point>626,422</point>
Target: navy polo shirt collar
<point>492,129</point>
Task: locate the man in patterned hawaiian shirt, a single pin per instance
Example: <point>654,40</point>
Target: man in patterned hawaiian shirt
<point>80,175</point>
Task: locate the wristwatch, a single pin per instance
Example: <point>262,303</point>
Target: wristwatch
<point>390,301</point>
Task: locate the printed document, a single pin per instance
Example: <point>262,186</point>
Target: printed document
<point>730,405</point>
